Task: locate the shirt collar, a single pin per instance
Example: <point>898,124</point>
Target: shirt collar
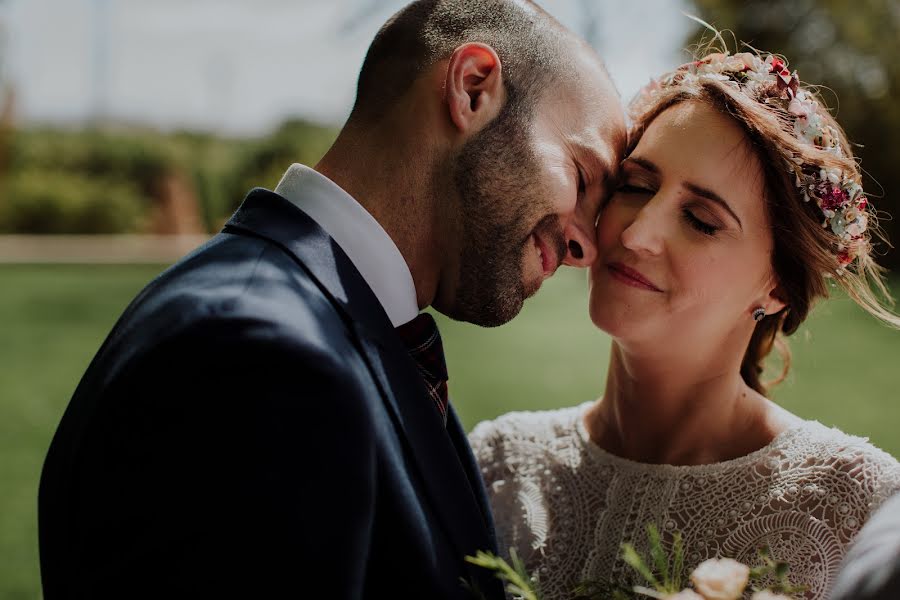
<point>360,236</point>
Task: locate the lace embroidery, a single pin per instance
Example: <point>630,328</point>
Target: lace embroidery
<point>566,505</point>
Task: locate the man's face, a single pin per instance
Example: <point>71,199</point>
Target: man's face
<point>529,188</point>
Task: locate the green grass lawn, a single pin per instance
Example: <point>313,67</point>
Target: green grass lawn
<point>846,373</point>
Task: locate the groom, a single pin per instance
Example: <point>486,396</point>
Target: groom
<point>269,417</point>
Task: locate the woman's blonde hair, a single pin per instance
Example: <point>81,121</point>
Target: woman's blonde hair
<point>806,254</point>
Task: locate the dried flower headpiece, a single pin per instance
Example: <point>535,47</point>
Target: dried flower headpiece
<point>839,195</point>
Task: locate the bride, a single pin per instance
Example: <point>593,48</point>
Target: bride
<point>739,205</point>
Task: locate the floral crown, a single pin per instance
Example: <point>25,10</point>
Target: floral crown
<point>839,196</point>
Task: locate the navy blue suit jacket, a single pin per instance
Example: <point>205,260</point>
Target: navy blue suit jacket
<point>253,426</point>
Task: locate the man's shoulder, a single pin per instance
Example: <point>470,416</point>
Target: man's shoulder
<point>235,294</point>
<point>236,278</point>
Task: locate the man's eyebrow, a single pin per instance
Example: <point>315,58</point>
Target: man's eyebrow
<point>691,187</point>
<point>599,163</point>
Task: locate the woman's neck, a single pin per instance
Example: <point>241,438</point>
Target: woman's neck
<point>681,409</point>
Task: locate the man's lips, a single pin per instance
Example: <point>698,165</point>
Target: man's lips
<point>549,260</point>
<point>631,277</point>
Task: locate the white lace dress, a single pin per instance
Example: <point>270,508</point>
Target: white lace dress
<point>567,505</point>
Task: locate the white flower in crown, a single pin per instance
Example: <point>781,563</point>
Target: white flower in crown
<point>801,106</point>
<point>834,176</point>
<point>856,223</point>
<point>718,77</point>
<point>721,579</point>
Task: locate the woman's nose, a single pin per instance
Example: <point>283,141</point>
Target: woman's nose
<point>643,233</point>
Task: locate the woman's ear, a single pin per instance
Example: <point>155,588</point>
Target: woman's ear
<point>474,91</point>
<point>776,300</point>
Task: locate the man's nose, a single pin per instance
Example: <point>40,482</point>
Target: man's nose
<point>580,242</point>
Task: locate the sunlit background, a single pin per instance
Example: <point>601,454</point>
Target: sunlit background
<point>130,130</point>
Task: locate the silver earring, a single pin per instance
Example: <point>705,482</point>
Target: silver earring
<point>759,314</point>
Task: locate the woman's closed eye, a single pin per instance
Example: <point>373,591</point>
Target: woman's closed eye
<point>699,224</point>
<point>631,188</point>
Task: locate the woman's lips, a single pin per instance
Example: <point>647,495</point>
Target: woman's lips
<point>631,277</point>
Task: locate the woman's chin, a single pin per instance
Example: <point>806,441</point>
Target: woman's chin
<point>606,317</point>
<point>617,320</point>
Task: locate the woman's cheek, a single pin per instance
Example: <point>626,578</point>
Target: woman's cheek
<point>609,228</point>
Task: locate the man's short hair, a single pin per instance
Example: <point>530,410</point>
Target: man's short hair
<point>530,43</point>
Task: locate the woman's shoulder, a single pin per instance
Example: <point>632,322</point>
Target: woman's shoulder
<point>524,437</point>
<point>527,426</point>
<point>842,456</point>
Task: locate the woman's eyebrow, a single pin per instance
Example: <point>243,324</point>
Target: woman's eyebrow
<point>711,195</point>
<point>643,163</point>
<point>691,187</point>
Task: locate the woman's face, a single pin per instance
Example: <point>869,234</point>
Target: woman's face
<point>684,243</point>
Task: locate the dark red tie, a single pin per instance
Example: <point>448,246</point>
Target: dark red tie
<point>423,342</point>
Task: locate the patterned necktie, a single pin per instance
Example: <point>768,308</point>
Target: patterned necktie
<point>423,342</point>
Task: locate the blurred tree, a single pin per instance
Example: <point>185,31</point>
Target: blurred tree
<point>264,162</point>
<point>851,49</point>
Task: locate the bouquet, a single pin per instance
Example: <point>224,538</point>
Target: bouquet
<point>713,579</point>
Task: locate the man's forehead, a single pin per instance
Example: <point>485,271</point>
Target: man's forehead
<point>601,129</point>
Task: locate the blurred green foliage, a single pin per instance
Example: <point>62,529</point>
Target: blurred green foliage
<point>37,201</point>
<point>263,162</point>
<point>850,49</point>
<point>91,181</point>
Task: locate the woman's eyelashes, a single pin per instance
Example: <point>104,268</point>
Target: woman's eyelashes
<point>630,188</point>
<point>689,216</point>
<point>699,224</point>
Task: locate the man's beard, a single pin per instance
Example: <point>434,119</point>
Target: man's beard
<point>501,204</point>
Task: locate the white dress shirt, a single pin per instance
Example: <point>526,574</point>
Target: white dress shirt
<point>360,236</point>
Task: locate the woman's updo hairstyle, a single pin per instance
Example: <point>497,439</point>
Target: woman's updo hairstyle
<point>822,222</point>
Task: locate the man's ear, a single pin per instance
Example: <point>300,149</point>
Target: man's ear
<point>474,90</point>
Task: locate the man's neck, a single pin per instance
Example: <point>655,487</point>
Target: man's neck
<point>395,188</point>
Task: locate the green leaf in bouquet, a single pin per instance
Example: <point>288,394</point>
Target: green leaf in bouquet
<point>660,560</point>
<point>601,590</point>
<point>678,560</point>
<point>636,562</point>
<point>515,577</point>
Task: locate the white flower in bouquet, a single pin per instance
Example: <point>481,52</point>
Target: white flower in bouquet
<point>685,595</point>
<point>720,579</point>
<point>767,595</point>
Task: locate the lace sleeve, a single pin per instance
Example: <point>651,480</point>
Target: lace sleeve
<point>492,443</point>
<point>487,444</point>
<point>875,473</point>
<point>885,470</point>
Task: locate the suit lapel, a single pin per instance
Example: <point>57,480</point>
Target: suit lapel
<point>446,474</point>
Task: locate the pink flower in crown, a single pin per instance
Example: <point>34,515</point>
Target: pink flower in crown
<point>788,83</point>
<point>832,197</point>
<point>845,257</point>
<point>849,252</point>
<point>778,67</point>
